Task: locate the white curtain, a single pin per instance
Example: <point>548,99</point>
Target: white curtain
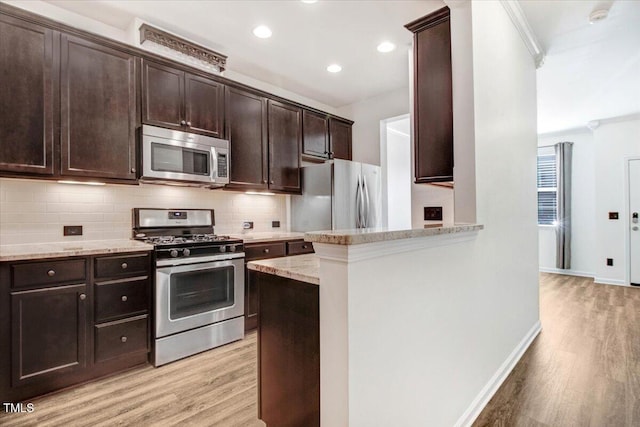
<point>563,228</point>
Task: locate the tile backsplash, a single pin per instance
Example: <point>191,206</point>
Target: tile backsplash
<point>34,211</point>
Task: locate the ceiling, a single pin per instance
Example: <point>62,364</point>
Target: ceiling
<point>306,39</point>
<point>591,71</point>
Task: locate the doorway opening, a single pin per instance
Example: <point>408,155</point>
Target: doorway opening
<point>633,217</point>
<point>395,159</point>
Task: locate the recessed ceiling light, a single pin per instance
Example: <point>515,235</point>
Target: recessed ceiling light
<point>598,15</point>
<point>309,1</point>
<point>262,31</point>
<point>385,47</point>
<point>334,68</point>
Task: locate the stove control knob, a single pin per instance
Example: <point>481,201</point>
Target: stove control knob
<point>223,248</point>
<point>173,253</point>
<point>186,252</point>
<point>232,248</point>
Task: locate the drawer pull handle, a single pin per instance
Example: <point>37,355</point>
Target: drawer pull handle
<point>266,251</point>
<point>83,297</point>
<point>124,298</point>
<point>304,246</point>
<point>124,265</point>
<point>123,339</point>
<point>51,273</point>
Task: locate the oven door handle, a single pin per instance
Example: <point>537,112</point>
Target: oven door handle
<point>199,260</point>
<point>195,267</point>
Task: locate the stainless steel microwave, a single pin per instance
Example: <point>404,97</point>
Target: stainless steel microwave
<point>172,156</point>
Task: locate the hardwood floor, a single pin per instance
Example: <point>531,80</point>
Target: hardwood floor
<point>582,370</point>
<point>584,367</point>
<point>214,388</point>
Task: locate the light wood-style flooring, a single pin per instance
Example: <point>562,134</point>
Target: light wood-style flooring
<point>214,388</point>
<point>582,370</point>
<point>584,367</point>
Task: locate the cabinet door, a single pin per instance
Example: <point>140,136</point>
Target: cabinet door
<point>162,96</point>
<point>315,134</point>
<point>49,333</point>
<point>204,105</point>
<point>26,97</point>
<point>340,133</point>
<point>246,130</point>
<point>433,109</point>
<point>285,127</point>
<point>98,110</point>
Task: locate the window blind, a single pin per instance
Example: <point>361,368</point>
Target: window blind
<point>547,186</point>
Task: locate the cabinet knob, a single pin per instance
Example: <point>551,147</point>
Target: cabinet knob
<point>272,181</point>
<point>266,251</point>
<point>264,181</point>
<point>133,170</point>
<point>189,124</point>
<point>124,298</point>
<point>183,122</point>
<point>304,246</point>
<point>83,297</point>
<point>51,273</point>
<point>124,265</point>
<point>123,338</point>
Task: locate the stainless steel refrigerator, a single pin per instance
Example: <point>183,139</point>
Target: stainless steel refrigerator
<point>338,195</point>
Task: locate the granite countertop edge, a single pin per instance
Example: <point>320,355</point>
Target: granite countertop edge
<point>303,268</point>
<point>31,251</point>
<point>361,236</point>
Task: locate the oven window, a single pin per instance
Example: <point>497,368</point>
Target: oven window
<point>167,158</point>
<point>196,292</point>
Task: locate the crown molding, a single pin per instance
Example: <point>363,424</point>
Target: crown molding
<point>519,19</point>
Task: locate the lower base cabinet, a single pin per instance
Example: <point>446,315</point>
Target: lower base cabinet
<point>62,322</point>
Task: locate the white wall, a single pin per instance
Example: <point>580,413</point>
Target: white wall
<point>598,188</point>
<point>124,36</point>
<point>396,161</point>
<point>367,115</point>
<point>34,211</point>
<point>582,206</point>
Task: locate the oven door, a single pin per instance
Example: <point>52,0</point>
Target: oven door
<point>195,295</point>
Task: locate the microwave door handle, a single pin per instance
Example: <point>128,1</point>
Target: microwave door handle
<point>214,164</point>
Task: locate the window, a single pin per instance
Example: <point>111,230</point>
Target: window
<point>547,186</point>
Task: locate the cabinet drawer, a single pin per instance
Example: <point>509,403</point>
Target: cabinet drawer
<point>121,299</point>
<point>299,247</point>
<point>118,338</point>
<point>47,272</point>
<point>122,266</point>
<point>266,250</point>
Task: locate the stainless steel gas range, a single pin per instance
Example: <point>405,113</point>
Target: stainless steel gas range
<point>199,282</point>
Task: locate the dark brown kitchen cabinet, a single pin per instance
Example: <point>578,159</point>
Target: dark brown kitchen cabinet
<point>246,130</point>
<point>98,94</point>
<point>433,100</point>
<point>340,138</point>
<point>49,333</point>
<point>285,138</point>
<point>315,134</point>
<point>27,97</point>
<point>175,99</point>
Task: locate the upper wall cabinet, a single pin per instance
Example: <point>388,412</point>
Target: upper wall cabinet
<point>285,140</point>
<point>340,138</point>
<point>246,130</point>
<point>433,101</point>
<point>315,135</point>
<point>175,99</point>
<point>99,113</point>
<point>27,97</point>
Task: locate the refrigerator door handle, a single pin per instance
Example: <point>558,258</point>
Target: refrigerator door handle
<point>358,197</point>
<point>366,204</point>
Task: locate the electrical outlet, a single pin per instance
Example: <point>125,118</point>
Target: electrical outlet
<point>72,230</point>
<point>275,224</point>
<point>610,262</point>
<point>613,215</point>
<point>247,225</point>
<point>433,213</point>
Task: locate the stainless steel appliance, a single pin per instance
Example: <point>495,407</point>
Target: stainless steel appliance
<point>338,195</point>
<point>199,287</point>
<point>170,156</point>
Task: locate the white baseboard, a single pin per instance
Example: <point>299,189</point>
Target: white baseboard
<point>606,281</point>
<point>567,272</point>
<point>487,392</point>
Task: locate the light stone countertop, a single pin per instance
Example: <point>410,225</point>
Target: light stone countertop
<point>371,235</point>
<point>261,237</point>
<point>66,249</point>
<point>305,268</point>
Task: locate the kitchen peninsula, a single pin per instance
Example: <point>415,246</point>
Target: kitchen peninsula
<point>399,283</point>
